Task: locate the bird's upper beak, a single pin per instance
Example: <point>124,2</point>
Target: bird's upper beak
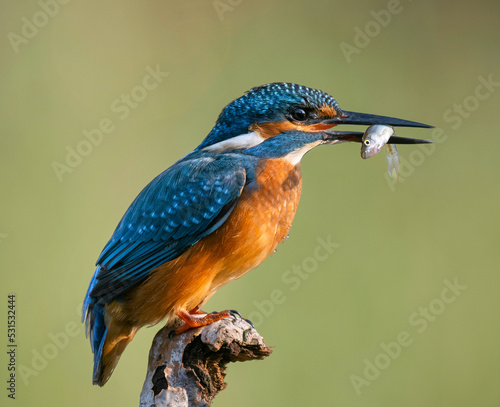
<point>364,118</point>
<point>346,117</point>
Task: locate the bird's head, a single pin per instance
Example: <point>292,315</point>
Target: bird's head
<point>287,109</point>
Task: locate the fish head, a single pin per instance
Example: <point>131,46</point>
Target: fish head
<point>375,137</point>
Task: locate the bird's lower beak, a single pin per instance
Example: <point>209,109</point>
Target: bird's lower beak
<point>332,137</point>
<point>368,119</point>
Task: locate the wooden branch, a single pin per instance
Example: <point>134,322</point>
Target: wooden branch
<point>188,369</point>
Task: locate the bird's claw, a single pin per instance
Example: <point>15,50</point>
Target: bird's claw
<point>235,314</point>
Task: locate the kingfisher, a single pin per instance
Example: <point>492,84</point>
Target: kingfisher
<point>214,215</point>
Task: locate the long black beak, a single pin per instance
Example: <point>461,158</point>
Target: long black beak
<point>364,118</point>
<point>346,117</point>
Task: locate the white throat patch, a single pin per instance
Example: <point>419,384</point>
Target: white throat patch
<point>296,155</point>
<point>242,141</point>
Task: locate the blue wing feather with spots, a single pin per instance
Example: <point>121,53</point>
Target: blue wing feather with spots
<point>182,205</point>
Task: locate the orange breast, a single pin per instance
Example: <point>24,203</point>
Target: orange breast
<point>260,220</point>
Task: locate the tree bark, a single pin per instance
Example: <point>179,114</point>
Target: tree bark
<point>189,369</point>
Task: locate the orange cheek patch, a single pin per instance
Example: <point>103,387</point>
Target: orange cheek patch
<point>316,127</point>
<point>327,111</point>
<point>267,130</point>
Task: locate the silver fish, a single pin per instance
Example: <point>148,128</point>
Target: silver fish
<point>375,137</point>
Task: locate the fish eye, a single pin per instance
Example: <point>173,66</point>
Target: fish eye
<point>367,142</point>
<point>299,115</point>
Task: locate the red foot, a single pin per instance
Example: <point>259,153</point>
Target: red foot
<point>194,322</point>
<point>196,311</point>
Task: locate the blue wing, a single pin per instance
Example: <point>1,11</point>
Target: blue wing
<point>182,205</point>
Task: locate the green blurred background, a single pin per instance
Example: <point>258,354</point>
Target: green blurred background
<point>397,244</point>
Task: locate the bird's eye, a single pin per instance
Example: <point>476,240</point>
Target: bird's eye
<point>367,142</point>
<point>299,115</point>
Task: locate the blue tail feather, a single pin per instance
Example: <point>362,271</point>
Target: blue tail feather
<point>95,326</point>
<point>97,332</point>
<point>97,336</point>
